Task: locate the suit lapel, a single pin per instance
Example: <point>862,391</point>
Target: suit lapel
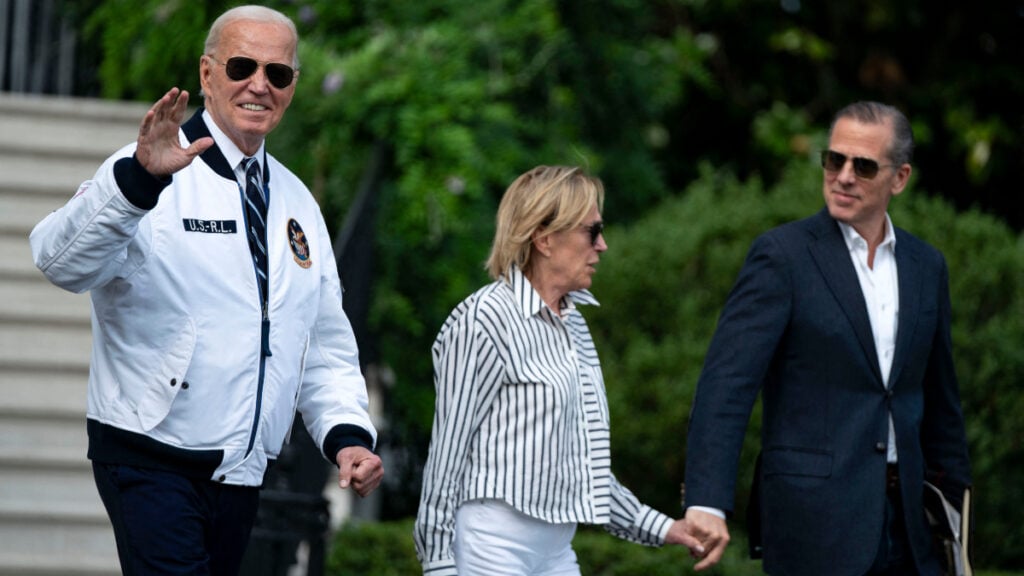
<point>909,279</point>
<point>832,257</point>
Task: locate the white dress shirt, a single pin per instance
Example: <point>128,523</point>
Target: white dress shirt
<point>880,286</point>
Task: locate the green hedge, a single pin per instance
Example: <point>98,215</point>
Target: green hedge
<point>662,284</point>
<point>664,280</point>
<point>386,549</point>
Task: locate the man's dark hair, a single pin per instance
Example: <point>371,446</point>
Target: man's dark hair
<point>901,151</point>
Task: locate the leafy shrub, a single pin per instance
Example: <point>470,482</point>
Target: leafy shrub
<point>665,278</point>
<point>373,548</point>
<point>386,549</point>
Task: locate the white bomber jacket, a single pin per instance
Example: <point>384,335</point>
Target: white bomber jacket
<point>178,378</point>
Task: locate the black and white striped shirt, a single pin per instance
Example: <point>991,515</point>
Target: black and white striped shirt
<point>521,416</point>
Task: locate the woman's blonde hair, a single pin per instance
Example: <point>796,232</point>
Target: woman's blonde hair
<point>547,199</point>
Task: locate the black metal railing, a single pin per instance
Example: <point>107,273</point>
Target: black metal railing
<point>38,43</point>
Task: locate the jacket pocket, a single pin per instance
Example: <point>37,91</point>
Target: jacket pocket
<point>155,404</point>
<point>298,390</point>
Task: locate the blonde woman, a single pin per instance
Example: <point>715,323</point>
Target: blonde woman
<point>519,452</point>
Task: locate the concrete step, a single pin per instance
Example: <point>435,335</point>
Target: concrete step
<point>51,519</point>
<point>72,127</point>
<point>53,491</point>
<point>36,346</point>
<point>43,391</point>
<point>16,257</point>
<point>21,211</point>
<point>43,173</point>
<point>47,545</point>
<point>36,300</point>
<point>38,440</point>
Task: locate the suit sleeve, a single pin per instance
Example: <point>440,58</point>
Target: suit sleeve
<point>943,438</point>
<point>749,330</point>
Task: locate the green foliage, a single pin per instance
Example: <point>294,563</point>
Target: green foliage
<point>662,283</point>
<point>386,549</point>
<point>453,104</point>
<point>140,37</point>
<point>377,548</point>
<point>600,554</point>
<point>463,101</point>
<point>665,278</point>
<point>699,123</point>
<point>986,266</point>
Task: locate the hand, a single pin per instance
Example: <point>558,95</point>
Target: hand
<point>711,531</point>
<point>359,468</point>
<point>679,533</point>
<point>159,150</point>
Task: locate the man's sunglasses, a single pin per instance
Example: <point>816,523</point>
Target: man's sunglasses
<point>240,67</point>
<point>865,168</point>
<point>595,231</point>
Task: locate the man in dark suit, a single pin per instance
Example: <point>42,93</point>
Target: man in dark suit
<point>842,322</point>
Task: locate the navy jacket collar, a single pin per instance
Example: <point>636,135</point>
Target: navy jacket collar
<point>195,128</point>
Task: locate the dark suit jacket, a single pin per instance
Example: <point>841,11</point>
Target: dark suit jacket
<point>796,328</point>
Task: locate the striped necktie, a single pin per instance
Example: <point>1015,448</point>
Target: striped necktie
<point>256,216</point>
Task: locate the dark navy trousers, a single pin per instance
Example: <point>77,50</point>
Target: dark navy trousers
<point>168,524</point>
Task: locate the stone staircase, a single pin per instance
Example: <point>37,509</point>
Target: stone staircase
<point>51,519</point>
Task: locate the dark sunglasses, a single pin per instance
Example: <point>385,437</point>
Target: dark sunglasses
<point>240,67</point>
<point>595,230</point>
<point>865,168</point>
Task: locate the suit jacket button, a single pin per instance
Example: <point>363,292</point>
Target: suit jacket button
<point>880,447</point>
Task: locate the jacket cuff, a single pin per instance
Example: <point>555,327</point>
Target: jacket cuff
<point>343,436</point>
<point>137,185</point>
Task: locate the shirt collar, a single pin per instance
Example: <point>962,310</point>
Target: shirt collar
<point>529,300</point>
<point>231,152</point>
<point>854,239</point>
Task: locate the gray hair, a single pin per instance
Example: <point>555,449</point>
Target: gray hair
<point>253,13</point>
<point>901,150</point>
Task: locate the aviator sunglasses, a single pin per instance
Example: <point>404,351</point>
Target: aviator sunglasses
<point>239,68</point>
<point>865,168</point>
<point>595,231</point>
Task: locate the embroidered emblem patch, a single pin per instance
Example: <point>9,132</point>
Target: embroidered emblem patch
<point>300,246</point>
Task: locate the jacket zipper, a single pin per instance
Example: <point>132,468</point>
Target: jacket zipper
<point>264,320</point>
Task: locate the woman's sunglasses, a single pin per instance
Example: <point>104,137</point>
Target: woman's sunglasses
<point>865,168</point>
<point>595,231</point>
<point>239,68</point>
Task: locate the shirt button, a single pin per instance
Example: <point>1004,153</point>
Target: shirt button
<point>221,478</point>
<point>174,382</point>
<point>880,447</point>
<point>184,385</point>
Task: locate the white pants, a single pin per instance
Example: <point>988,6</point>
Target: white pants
<point>492,538</point>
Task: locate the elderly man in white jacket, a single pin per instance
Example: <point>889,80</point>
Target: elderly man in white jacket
<point>213,323</point>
